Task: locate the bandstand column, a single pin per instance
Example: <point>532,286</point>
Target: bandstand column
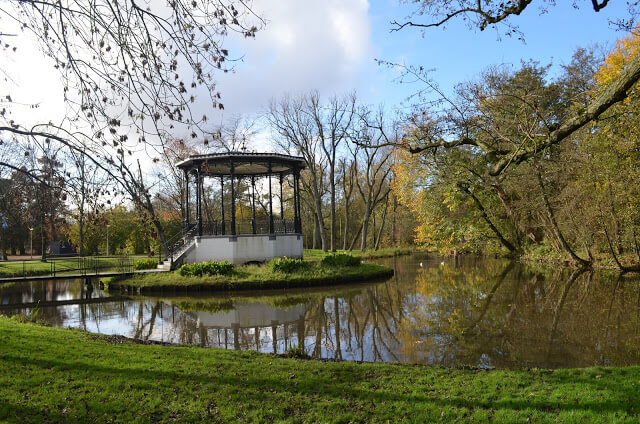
<point>253,204</point>
<point>233,203</point>
<point>186,200</point>
<point>222,223</point>
<point>199,200</point>
<point>281,199</point>
<point>296,200</point>
<point>270,203</point>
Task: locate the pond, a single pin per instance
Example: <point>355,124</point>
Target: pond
<point>486,313</point>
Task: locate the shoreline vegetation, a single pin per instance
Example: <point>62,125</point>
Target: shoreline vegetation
<point>114,379</point>
<point>277,274</point>
<point>601,261</point>
<point>388,252</point>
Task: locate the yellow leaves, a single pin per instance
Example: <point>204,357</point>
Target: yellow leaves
<point>625,50</point>
<point>450,200</point>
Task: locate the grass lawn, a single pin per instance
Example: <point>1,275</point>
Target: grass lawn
<point>380,253</point>
<point>253,277</point>
<point>61,375</point>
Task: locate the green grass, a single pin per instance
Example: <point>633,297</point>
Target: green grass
<point>63,265</point>
<point>62,375</point>
<point>367,254</point>
<point>253,277</point>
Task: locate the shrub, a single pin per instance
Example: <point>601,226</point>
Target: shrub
<point>33,316</point>
<point>287,265</point>
<point>206,268</point>
<point>340,259</point>
<point>150,263</point>
<point>296,352</point>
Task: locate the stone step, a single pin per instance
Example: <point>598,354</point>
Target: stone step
<point>165,266</point>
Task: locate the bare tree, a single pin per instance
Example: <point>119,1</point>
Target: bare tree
<point>375,165</point>
<point>333,124</point>
<point>348,178</point>
<point>296,129</point>
<point>85,183</point>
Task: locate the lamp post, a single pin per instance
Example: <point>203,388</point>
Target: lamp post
<point>31,242</point>
<point>108,239</point>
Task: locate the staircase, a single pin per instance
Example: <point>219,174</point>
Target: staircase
<point>178,247</point>
<point>181,252</point>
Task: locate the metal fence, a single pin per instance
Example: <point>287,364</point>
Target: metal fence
<point>86,265</point>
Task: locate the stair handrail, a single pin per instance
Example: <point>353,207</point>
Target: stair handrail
<point>178,240</point>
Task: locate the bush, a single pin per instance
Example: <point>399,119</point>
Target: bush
<point>206,268</point>
<point>340,259</point>
<point>150,263</point>
<point>296,352</point>
<point>287,265</point>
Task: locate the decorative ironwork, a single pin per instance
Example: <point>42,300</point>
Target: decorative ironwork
<point>248,226</point>
<point>232,167</point>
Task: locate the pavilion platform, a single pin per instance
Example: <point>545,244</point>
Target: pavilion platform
<point>216,228</point>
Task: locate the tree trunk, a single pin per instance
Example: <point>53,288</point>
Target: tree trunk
<point>509,210</point>
<point>394,234</point>
<point>622,268</point>
<point>374,233</point>
<point>323,236</point>
<point>554,223</point>
<point>506,243</point>
<point>332,188</point>
<point>355,238</point>
<point>384,218</point>
<point>365,226</point>
<point>346,224</point>
<point>81,234</point>
<point>316,231</point>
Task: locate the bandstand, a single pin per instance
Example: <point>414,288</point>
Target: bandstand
<point>238,183</point>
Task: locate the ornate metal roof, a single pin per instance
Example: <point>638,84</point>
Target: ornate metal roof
<point>244,164</point>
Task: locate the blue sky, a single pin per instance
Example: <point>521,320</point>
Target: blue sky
<point>458,53</point>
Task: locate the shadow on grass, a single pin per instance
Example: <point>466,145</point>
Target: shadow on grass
<point>335,382</point>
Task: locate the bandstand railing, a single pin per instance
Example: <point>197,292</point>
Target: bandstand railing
<point>258,226</point>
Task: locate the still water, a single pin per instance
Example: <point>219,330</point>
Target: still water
<point>466,312</point>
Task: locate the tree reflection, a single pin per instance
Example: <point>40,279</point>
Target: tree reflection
<point>467,311</point>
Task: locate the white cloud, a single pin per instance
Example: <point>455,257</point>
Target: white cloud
<point>29,78</point>
<point>306,45</point>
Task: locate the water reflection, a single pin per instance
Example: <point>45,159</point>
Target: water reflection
<point>477,312</point>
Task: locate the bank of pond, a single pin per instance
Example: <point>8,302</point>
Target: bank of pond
<point>279,273</point>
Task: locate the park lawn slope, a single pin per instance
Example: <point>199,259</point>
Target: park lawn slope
<point>62,375</point>
<point>253,277</point>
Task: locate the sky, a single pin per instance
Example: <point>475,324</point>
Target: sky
<point>331,46</point>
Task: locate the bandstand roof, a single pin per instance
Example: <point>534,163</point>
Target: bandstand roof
<point>244,164</point>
